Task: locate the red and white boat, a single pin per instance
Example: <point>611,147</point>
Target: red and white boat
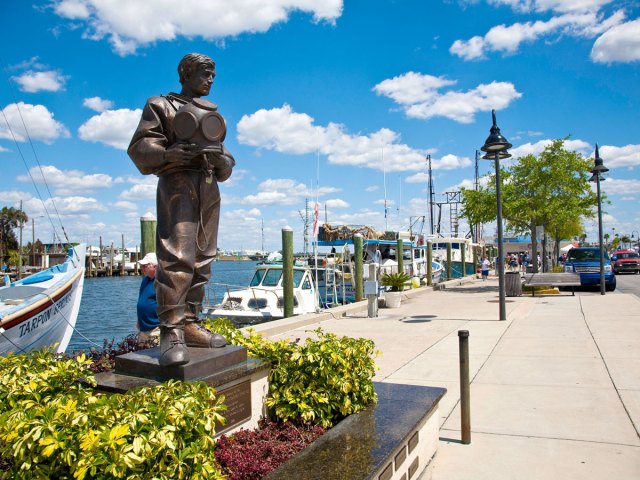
<point>41,310</point>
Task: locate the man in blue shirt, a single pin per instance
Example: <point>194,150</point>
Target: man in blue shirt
<point>148,323</point>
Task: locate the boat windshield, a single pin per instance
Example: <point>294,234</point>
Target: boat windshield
<point>272,278</point>
<point>257,278</point>
<point>298,277</point>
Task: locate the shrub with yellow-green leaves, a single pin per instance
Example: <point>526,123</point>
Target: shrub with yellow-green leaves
<point>321,380</point>
<point>52,427</point>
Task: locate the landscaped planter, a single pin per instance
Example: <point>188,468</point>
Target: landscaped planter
<point>394,439</point>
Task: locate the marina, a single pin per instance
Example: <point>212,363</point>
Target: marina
<point>108,307</point>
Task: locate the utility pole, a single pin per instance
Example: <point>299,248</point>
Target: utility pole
<point>20,248</point>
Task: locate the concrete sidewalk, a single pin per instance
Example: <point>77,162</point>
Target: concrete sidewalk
<point>555,389</point>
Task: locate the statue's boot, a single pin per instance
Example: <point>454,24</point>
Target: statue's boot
<point>173,348</point>
<point>195,334</point>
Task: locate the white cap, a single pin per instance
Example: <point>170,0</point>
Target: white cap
<point>149,258</point>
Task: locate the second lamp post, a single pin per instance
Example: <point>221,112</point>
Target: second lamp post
<point>496,147</point>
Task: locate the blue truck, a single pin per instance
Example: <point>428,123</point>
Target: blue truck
<point>586,262</point>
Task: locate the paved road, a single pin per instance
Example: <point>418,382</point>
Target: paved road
<point>628,283</point>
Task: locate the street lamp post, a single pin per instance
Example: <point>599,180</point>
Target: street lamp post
<point>599,169</point>
<point>496,147</point>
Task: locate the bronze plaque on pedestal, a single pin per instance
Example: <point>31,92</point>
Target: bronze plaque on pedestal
<point>238,401</point>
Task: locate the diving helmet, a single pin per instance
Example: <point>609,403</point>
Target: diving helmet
<point>199,122</point>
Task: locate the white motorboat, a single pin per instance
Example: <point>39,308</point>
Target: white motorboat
<point>263,299</point>
<point>41,310</point>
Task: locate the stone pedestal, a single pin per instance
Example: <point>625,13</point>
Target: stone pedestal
<point>242,381</point>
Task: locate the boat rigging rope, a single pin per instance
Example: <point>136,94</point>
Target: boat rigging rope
<point>35,155</point>
<point>73,327</point>
<point>2,330</point>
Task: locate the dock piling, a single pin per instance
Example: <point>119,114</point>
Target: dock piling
<point>357,245</point>
<point>287,271</point>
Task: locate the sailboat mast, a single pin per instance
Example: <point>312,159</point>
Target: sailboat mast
<point>431,194</point>
<point>384,183</point>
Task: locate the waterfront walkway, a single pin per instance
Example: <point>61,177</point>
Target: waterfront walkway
<point>555,390</point>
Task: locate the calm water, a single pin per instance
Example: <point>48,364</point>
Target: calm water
<point>108,307</point>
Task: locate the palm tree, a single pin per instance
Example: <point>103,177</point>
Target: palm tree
<point>10,218</point>
<point>626,239</point>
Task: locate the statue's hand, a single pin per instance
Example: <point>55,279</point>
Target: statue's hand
<point>180,153</point>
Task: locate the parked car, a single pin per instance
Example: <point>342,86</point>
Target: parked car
<point>586,262</point>
<point>625,261</point>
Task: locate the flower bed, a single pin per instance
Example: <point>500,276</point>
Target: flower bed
<point>53,426</point>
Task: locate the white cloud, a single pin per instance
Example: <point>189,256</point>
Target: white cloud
<point>67,182</point>
<point>372,188</point>
<point>419,177</point>
<point>74,206</point>
<point>283,191</point>
<point>144,188</point>
<point>418,96</point>
<point>450,162</point>
<point>240,213</point>
<point>536,149</point>
<point>32,82</point>
<point>336,203</point>
<point>554,5</point>
<point>617,157</point>
<point>579,22</point>
<point>38,119</point>
<point>619,186</point>
<point>112,127</point>
<point>10,197</point>
<point>125,205</point>
<point>129,24</point>
<point>97,104</point>
<point>412,87</point>
<point>283,130</point>
<point>618,44</point>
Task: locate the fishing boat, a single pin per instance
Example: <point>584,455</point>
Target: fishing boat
<point>41,310</point>
<point>459,246</point>
<point>379,249</point>
<point>263,299</point>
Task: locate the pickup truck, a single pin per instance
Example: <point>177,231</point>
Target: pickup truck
<point>586,262</point>
<point>625,261</point>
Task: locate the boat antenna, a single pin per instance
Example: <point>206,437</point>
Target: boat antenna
<point>35,155</point>
<point>384,183</point>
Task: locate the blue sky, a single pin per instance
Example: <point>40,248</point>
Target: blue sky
<point>330,98</point>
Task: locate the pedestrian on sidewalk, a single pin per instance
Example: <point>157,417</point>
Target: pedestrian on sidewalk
<point>484,268</point>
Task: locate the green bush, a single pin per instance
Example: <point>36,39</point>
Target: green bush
<point>319,381</point>
<point>52,427</point>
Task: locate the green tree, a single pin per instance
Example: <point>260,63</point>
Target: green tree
<point>550,190</point>
<point>625,239</point>
<point>10,219</point>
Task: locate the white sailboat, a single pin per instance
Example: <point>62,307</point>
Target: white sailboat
<point>41,310</point>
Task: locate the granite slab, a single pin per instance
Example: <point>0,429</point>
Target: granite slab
<point>362,444</point>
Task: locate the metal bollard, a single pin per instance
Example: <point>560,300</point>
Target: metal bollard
<point>465,407</point>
